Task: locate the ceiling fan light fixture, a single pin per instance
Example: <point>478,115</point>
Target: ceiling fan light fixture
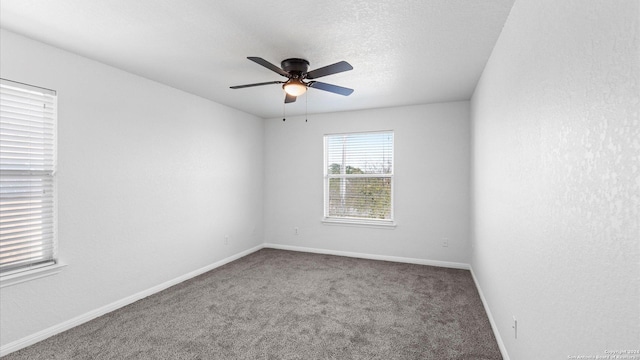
<point>294,87</point>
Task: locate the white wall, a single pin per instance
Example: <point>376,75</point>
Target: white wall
<point>431,182</point>
<point>556,178</point>
<point>150,180</point>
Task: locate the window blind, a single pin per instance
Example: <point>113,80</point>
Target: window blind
<point>359,176</point>
<point>27,167</point>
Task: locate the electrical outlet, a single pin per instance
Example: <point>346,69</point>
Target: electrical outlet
<point>445,242</point>
<point>296,231</point>
<point>515,327</point>
<point>226,239</point>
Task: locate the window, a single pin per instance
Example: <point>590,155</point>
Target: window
<point>27,173</point>
<point>358,178</point>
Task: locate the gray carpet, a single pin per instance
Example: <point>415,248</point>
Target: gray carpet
<point>276,304</point>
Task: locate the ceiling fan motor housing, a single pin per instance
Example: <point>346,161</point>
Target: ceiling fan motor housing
<point>295,66</point>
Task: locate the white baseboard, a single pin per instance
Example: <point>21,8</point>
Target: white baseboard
<point>81,319</point>
<point>494,327</point>
<point>446,264</point>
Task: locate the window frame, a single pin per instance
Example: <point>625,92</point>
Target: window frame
<point>355,221</point>
<point>39,269</point>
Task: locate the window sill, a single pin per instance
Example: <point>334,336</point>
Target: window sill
<point>380,224</point>
<point>28,275</point>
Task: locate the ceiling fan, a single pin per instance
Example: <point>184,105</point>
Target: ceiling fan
<point>296,71</point>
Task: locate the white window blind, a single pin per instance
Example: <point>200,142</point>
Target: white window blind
<point>358,177</point>
<point>27,168</point>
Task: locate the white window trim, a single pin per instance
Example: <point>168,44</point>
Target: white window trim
<point>388,224</point>
<point>358,222</point>
<point>18,276</point>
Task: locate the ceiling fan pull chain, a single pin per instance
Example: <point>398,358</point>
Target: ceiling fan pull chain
<point>283,113</point>
<point>306,107</point>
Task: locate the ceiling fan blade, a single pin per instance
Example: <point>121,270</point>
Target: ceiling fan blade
<point>289,98</point>
<point>330,88</point>
<point>329,70</point>
<point>268,65</point>
<point>257,84</point>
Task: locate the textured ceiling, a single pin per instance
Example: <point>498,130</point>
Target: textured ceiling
<point>403,51</point>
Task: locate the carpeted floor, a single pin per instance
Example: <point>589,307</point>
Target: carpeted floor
<point>276,304</point>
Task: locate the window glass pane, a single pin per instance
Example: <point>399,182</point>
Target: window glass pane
<point>368,198</point>
<point>359,176</point>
